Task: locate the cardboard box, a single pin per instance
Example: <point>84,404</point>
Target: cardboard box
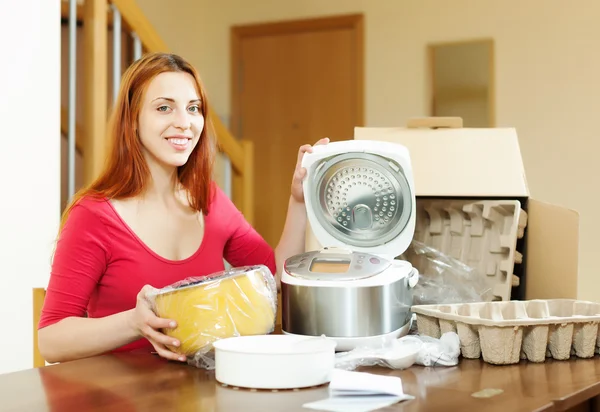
<point>452,162</point>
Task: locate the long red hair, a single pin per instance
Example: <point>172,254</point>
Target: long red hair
<point>126,173</point>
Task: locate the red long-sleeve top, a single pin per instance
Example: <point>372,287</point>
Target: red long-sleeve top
<point>100,264</point>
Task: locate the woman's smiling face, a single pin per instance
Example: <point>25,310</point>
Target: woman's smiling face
<point>170,120</point>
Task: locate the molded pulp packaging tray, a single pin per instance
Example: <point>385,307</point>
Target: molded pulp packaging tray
<point>505,332</point>
<point>482,234</point>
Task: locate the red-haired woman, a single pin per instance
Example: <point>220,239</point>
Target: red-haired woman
<point>153,217</point>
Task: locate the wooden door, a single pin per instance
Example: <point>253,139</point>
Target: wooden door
<point>293,83</point>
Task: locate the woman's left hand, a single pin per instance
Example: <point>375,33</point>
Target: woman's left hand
<point>300,172</point>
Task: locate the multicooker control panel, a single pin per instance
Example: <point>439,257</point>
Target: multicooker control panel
<point>335,265</point>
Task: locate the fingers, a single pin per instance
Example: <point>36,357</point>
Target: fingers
<point>153,334</point>
<point>166,353</point>
<point>149,317</point>
<point>308,148</point>
<point>159,323</point>
<point>143,297</point>
<point>160,340</point>
<point>300,173</point>
<point>303,149</point>
<point>324,140</point>
<point>150,324</point>
<point>144,293</point>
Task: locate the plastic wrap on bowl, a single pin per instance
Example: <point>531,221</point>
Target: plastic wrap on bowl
<point>237,302</point>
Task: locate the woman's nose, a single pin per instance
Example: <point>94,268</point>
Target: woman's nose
<point>181,120</point>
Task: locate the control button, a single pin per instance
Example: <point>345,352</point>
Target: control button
<point>360,262</point>
<point>374,261</point>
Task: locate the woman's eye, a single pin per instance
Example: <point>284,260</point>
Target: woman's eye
<point>195,109</point>
<point>163,108</point>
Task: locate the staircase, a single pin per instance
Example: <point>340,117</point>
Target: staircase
<point>108,36</point>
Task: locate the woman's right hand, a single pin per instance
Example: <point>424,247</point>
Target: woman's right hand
<point>146,324</point>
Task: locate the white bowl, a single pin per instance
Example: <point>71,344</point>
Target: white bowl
<point>274,361</point>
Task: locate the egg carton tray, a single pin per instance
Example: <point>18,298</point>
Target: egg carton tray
<point>481,234</point>
<point>503,333</point>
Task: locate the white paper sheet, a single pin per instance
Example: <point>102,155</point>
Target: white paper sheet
<point>360,392</point>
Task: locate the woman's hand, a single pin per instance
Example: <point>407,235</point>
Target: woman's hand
<point>300,172</point>
<point>146,324</point>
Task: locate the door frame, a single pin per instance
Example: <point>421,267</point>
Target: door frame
<point>240,32</point>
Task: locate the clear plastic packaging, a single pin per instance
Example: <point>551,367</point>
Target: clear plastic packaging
<point>403,353</point>
<point>237,302</point>
<point>443,279</point>
<point>391,353</point>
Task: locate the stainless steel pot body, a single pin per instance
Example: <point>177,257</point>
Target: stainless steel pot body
<point>346,311</point>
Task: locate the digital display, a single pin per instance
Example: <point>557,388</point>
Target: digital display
<point>329,266</point>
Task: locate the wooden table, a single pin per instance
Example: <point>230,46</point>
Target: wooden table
<point>142,382</point>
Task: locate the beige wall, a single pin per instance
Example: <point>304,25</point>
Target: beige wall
<point>547,65</point>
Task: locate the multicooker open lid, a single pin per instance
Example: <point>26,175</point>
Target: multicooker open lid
<point>360,195</point>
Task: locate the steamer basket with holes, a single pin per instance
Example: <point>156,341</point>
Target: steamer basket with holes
<point>360,203</point>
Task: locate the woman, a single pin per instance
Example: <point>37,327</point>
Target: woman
<point>153,217</point>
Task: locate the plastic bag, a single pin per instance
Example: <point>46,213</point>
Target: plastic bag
<point>439,352</point>
<point>443,279</point>
<point>403,353</point>
<point>390,352</point>
<point>236,302</point>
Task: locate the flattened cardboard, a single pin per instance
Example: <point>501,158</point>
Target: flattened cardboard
<point>552,251</point>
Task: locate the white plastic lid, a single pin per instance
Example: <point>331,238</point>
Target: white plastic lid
<point>360,194</point>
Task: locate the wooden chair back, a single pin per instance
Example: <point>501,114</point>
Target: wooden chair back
<point>39,294</point>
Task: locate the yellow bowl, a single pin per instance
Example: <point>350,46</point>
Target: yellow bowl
<point>238,302</point>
